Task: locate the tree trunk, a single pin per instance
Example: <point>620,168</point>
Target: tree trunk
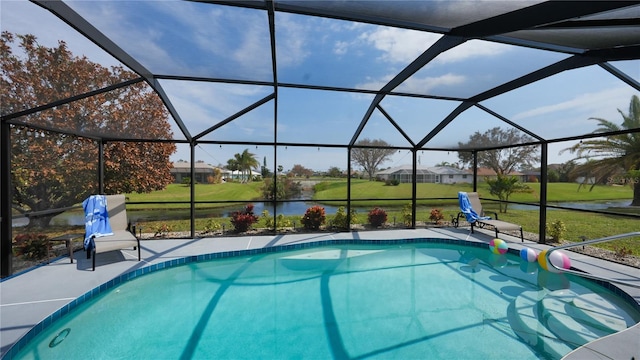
<point>40,222</point>
<point>636,194</point>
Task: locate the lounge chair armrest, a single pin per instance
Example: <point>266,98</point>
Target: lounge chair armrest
<point>134,228</point>
<point>456,220</point>
<point>495,214</point>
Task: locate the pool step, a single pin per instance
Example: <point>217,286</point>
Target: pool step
<point>582,318</point>
<point>523,315</point>
<point>603,310</point>
<point>556,322</point>
<point>555,315</point>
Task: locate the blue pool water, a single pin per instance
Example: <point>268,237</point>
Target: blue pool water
<point>405,301</point>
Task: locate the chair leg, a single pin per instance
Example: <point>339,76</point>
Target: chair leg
<point>139,258</point>
<point>94,259</point>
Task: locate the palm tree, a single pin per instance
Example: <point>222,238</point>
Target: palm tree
<point>246,161</point>
<point>615,154</point>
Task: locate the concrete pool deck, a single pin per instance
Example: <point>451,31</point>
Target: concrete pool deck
<point>27,298</point>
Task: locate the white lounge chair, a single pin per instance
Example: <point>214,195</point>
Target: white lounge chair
<point>122,237</point>
<point>475,215</point>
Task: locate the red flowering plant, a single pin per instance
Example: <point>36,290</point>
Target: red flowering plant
<point>377,217</point>
<point>436,216</point>
<point>313,218</point>
<point>31,246</point>
<point>242,220</point>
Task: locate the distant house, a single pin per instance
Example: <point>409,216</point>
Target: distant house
<point>204,172</point>
<point>237,175</point>
<point>484,173</point>
<point>182,169</point>
<point>435,174</point>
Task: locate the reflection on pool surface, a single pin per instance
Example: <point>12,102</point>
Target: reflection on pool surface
<point>419,300</point>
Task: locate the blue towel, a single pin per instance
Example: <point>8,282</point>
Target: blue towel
<point>467,210</point>
<point>96,219</point>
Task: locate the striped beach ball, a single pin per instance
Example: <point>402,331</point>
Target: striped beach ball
<point>557,258</point>
<point>498,246</point>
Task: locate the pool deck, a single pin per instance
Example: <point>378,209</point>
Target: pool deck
<point>26,299</point>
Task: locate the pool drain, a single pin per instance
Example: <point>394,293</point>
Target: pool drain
<point>59,338</point>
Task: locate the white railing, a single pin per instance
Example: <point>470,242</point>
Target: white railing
<point>589,242</point>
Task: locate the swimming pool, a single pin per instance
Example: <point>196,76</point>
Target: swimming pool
<point>408,300</point>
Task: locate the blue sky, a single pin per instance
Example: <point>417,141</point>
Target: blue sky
<point>193,39</point>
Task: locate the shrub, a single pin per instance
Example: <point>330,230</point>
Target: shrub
<point>622,251</point>
<point>392,182</point>
<point>436,216</point>
<point>162,230</point>
<point>377,217</point>
<point>212,226</point>
<point>31,246</point>
<point>282,188</point>
<point>556,230</point>
<point>313,218</point>
<point>282,221</point>
<point>407,214</point>
<point>340,219</point>
<point>186,181</point>
<point>242,220</point>
<point>268,219</point>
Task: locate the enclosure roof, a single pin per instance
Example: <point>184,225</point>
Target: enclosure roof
<point>420,75</point>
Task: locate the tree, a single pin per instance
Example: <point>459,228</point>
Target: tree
<point>448,164</point>
<point>553,176</point>
<point>52,170</point>
<point>299,170</point>
<point>233,165</point>
<point>264,170</point>
<point>335,172</point>
<point>370,154</point>
<point>246,162</point>
<point>612,155</point>
<point>502,161</point>
<point>566,171</point>
<point>283,187</point>
<point>503,186</point>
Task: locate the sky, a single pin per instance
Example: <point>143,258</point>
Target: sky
<point>200,40</point>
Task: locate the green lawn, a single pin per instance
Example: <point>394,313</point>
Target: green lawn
<point>363,189</point>
<point>203,192</point>
<point>578,224</point>
<point>556,192</point>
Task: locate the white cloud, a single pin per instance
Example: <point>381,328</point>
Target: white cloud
<point>340,47</point>
<point>290,40</point>
<point>425,85</point>
<point>472,49</point>
<point>417,85</point>
<point>598,104</point>
<point>403,46</point>
<point>399,45</point>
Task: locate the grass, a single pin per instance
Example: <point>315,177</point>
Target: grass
<point>363,189</point>
<point>203,192</point>
<point>556,192</point>
<point>577,223</point>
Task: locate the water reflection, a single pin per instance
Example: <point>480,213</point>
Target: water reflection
<point>76,218</point>
<point>582,205</point>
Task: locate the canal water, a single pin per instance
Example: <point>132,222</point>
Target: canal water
<point>76,218</point>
